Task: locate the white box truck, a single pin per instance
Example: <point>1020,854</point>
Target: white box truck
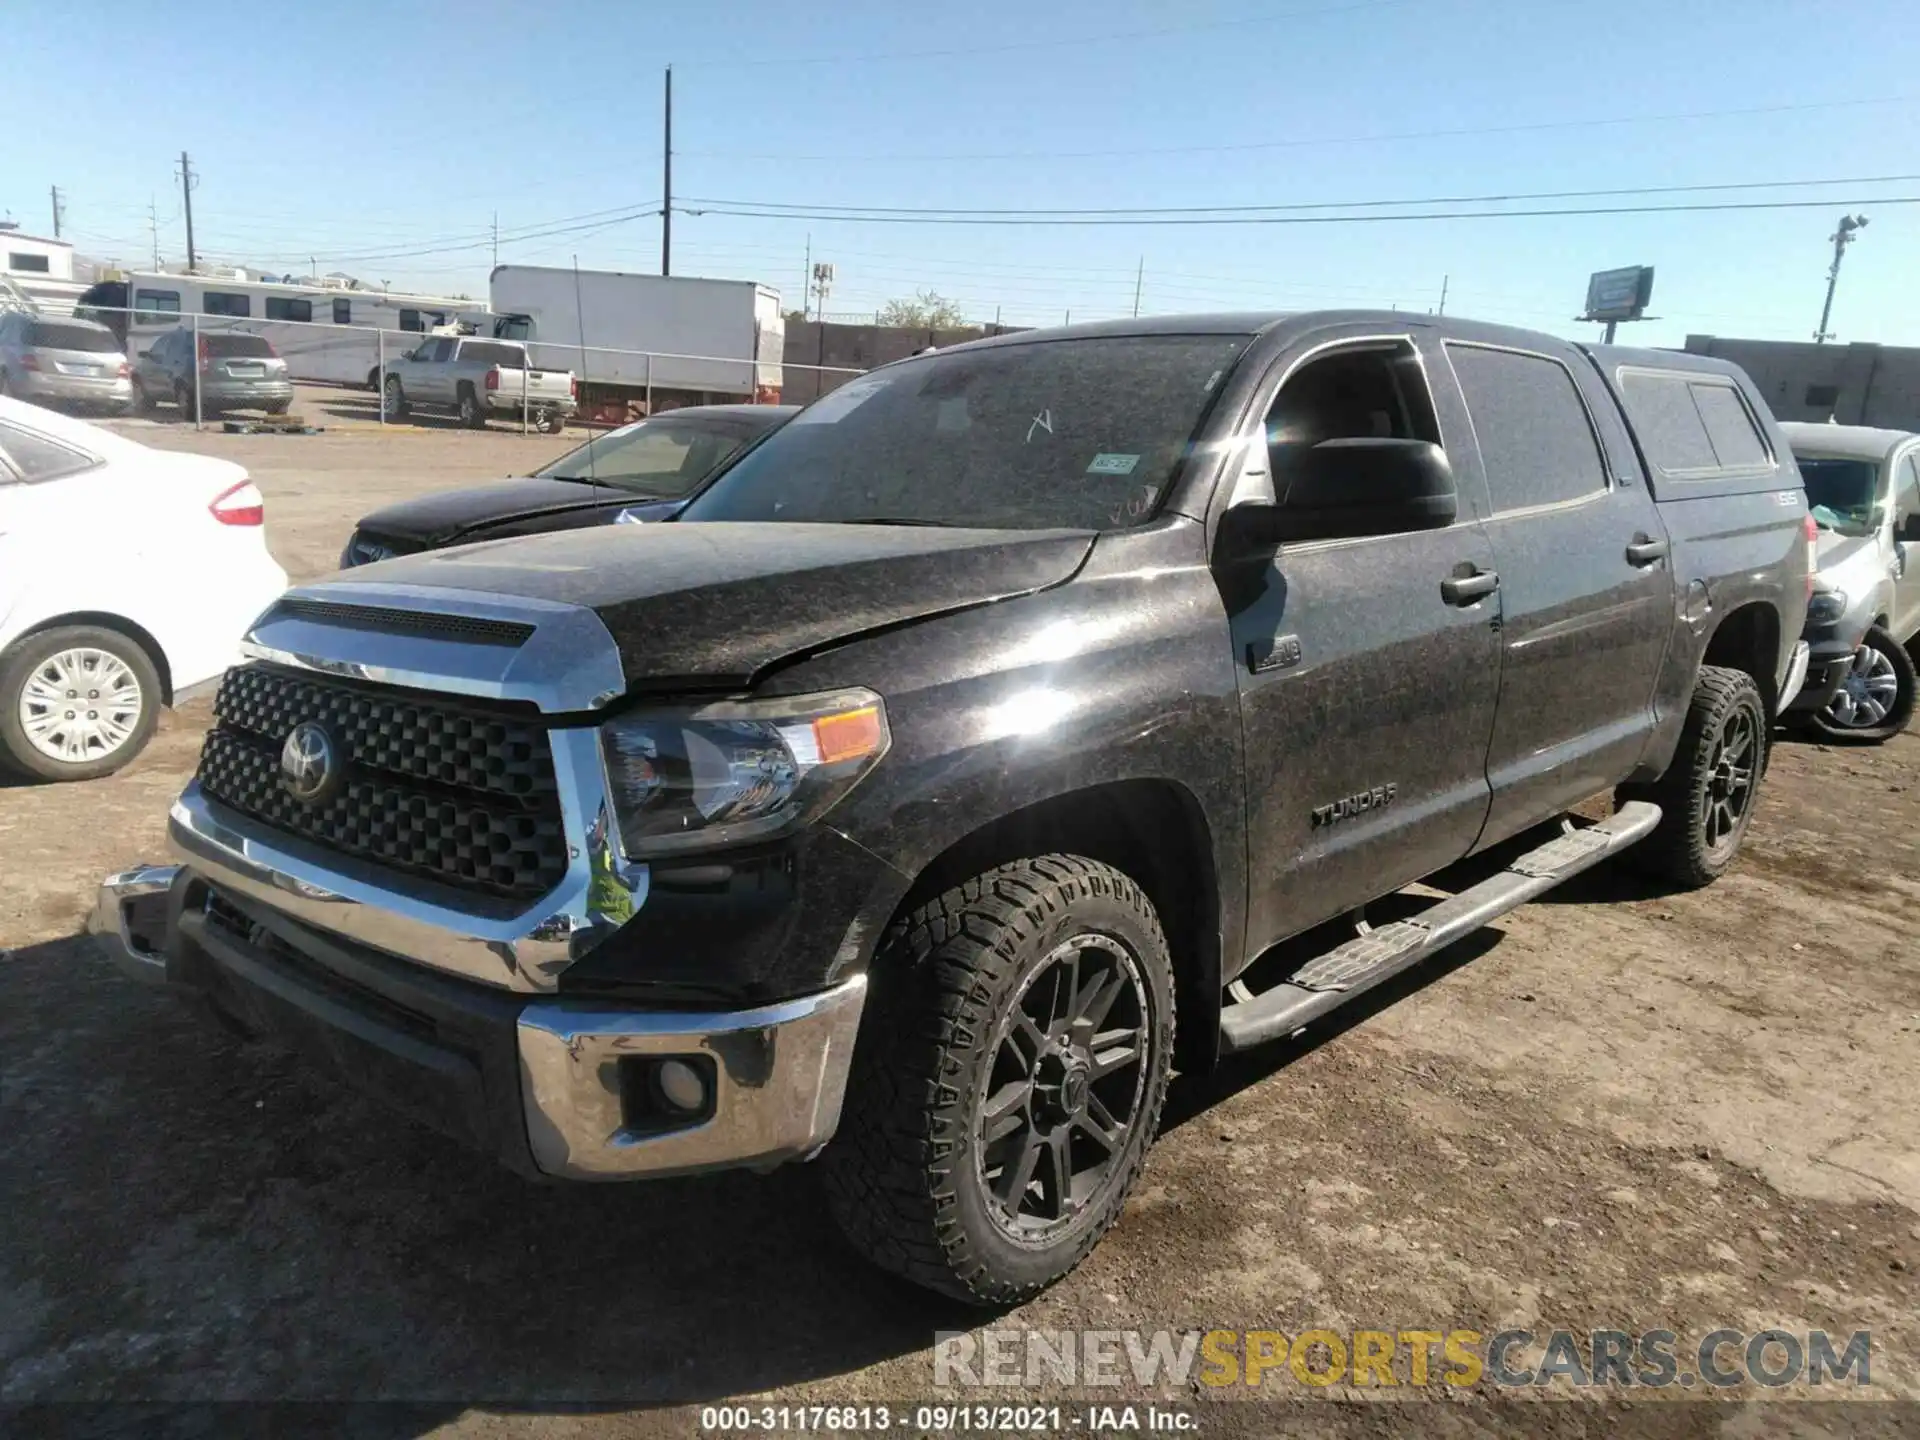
<point>650,342</point>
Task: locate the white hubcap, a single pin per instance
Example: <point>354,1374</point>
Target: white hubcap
<point>80,705</point>
<point>1871,690</point>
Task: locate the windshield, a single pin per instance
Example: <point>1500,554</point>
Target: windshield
<point>1070,434</point>
<point>56,336</point>
<point>661,459</point>
<point>1840,492</point>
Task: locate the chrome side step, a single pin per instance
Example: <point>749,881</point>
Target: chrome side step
<point>1334,978</point>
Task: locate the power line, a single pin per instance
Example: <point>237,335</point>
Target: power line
<point>869,211</point>
<point>1346,219</point>
<point>1317,140</point>
<point>1271,18</point>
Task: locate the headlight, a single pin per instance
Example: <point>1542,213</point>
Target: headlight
<point>698,779</point>
<point>1826,606</point>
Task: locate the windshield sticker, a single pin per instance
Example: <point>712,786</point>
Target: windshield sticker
<point>842,402</point>
<point>1113,464</point>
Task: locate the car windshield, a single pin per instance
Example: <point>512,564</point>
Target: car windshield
<point>1072,434</point>
<point>661,459</point>
<point>1840,492</point>
<point>52,335</point>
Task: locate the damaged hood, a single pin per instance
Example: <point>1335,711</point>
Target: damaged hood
<point>719,603</point>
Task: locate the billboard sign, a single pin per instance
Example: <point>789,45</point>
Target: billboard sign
<point>1619,294</point>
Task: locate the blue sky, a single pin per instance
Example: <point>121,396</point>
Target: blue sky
<point>367,130</point>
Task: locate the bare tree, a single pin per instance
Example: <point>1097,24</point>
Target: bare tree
<point>926,311</point>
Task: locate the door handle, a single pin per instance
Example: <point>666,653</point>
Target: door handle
<point>1644,551</point>
<point>1470,588</point>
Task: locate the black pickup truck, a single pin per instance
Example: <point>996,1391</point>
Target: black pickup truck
<point>1009,704</point>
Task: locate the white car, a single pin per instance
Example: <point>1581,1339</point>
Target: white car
<point>127,577</point>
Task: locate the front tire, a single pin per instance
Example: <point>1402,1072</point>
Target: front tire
<point>472,414</point>
<point>393,399</point>
<point>76,703</point>
<point>1708,794</point>
<point>1008,1080</point>
<point>1876,702</point>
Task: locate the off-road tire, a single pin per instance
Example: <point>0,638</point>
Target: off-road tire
<point>473,414</point>
<point>554,423</point>
<point>1896,719</point>
<point>393,398</point>
<point>900,1176</point>
<point>1677,851</point>
<point>16,751</point>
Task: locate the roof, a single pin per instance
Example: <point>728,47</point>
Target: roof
<point>1848,442</point>
<point>37,239</point>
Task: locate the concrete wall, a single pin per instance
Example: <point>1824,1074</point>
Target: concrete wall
<point>1870,384</point>
<point>858,347</point>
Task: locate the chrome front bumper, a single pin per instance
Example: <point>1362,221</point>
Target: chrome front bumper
<point>776,1074</point>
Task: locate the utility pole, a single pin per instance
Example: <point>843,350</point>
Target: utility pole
<point>496,239</point>
<point>666,187</point>
<point>1842,237</point>
<point>1138,275</point>
<point>187,177</point>
<point>1445,280</point>
<point>806,282</point>
<point>153,229</point>
<point>58,212</point>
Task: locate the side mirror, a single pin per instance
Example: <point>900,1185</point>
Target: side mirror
<point>1340,489</point>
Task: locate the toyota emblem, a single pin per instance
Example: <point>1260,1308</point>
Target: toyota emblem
<point>310,768</point>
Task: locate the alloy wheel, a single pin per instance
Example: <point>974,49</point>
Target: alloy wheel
<point>80,705</point>
<point>1064,1088</point>
<point>1731,773</point>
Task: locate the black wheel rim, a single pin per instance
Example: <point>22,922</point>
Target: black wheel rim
<point>1064,1088</point>
<point>1730,779</point>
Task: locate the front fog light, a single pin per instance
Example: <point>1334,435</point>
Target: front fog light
<point>723,774</point>
<point>681,1086</point>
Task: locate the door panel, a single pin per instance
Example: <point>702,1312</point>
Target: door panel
<point>1906,553</point>
<point>1367,698</point>
<point>1586,586</point>
<point>1386,717</point>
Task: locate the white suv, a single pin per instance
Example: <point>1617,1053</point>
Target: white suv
<point>127,577</point>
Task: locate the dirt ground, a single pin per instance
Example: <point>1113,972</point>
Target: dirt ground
<point>1615,1108</point>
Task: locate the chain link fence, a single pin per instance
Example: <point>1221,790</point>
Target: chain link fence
<point>192,366</point>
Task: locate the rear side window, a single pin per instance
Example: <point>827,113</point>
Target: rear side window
<point>1730,429</point>
<point>53,335</point>
<point>485,352</point>
<point>1536,439</point>
<point>237,347</point>
<point>156,304</point>
<point>1694,426</point>
<point>38,458</point>
<point>220,302</point>
<point>282,307</point>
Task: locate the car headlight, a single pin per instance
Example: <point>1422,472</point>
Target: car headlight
<point>700,778</point>
<point>1826,606</point>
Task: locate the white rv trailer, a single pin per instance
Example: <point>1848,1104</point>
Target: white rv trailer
<point>328,330</point>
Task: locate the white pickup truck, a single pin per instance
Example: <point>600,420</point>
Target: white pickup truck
<point>476,379</point>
